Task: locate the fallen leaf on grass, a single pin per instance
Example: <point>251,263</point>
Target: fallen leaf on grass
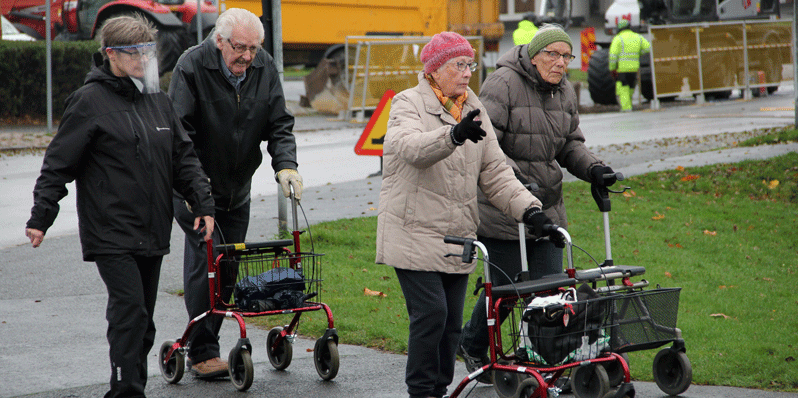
<point>691,177</point>
<point>724,316</point>
<point>658,217</point>
<point>668,274</point>
<point>629,194</point>
<point>679,168</point>
<point>773,184</point>
<point>711,233</point>
<point>369,292</point>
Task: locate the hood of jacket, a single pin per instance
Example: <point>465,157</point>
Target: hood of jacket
<point>101,73</point>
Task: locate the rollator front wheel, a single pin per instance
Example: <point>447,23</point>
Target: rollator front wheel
<point>241,369</point>
<point>672,371</point>
<point>172,368</point>
<point>325,356</point>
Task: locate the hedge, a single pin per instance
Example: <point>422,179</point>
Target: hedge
<point>23,75</point>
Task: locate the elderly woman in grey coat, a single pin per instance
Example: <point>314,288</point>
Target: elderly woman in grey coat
<point>437,155</point>
<point>534,112</point>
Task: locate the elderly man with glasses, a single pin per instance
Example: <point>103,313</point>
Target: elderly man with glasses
<point>534,111</point>
<point>228,95</point>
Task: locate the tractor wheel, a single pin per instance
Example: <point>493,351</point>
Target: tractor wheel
<point>646,82</point>
<point>600,83</point>
<point>171,42</point>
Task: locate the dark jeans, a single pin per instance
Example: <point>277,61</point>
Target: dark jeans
<point>435,303</point>
<point>132,284</point>
<point>229,227</point>
<point>543,259</point>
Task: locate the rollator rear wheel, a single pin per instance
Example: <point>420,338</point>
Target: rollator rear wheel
<point>615,370</point>
<point>173,368</point>
<point>528,387</point>
<point>279,356</point>
<point>506,384</point>
<point>672,371</point>
<point>325,356</point>
<point>590,381</point>
<point>242,371</point>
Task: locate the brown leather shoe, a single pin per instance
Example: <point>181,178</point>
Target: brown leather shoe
<point>214,367</point>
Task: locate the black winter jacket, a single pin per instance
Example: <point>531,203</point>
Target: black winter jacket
<point>228,127</point>
<point>126,152</point>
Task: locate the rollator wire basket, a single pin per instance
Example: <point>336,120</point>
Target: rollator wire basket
<point>644,319</point>
<point>620,322</point>
<point>271,281</point>
<point>559,331</point>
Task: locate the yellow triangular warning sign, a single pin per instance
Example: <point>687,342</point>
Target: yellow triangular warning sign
<point>370,142</point>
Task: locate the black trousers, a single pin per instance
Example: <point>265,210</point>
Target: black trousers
<point>435,303</point>
<point>132,284</point>
<point>229,227</point>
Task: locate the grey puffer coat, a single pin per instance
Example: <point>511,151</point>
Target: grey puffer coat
<point>430,185</point>
<point>537,125</point>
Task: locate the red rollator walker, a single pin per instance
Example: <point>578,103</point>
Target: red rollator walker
<point>556,328</point>
<point>584,347</point>
<point>292,279</point>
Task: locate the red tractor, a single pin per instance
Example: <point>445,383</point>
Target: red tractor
<point>81,20</point>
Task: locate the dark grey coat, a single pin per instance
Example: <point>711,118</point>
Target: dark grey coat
<point>537,125</point>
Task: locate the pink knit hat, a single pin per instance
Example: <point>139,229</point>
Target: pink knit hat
<point>443,47</point>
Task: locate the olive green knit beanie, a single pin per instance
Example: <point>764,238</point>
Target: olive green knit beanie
<point>546,35</point>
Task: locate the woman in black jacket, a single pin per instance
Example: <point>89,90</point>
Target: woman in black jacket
<point>121,143</point>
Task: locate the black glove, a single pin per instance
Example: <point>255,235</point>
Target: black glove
<point>598,173</point>
<point>468,129</point>
<point>535,220</point>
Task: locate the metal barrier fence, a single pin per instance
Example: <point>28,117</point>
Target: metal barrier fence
<point>375,64</point>
<point>715,58</point>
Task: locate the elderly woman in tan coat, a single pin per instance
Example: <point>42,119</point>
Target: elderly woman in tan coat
<point>437,155</point>
<point>534,111</point>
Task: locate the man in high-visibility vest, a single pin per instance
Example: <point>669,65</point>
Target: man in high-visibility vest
<point>624,62</point>
<point>525,32</point>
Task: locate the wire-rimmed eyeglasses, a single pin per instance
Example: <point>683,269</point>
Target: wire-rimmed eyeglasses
<point>554,56</point>
<point>461,66</point>
<point>240,48</point>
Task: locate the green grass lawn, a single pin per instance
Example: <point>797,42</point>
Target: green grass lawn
<point>726,234</point>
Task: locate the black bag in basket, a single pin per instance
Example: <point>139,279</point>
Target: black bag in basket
<point>564,329</point>
<point>272,290</point>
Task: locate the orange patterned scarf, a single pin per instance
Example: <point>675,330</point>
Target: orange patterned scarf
<point>455,108</point>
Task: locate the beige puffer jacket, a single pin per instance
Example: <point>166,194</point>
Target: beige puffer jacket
<point>430,185</point>
<point>537,125</point>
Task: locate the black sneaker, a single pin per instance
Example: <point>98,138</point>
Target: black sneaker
<point>474,363</point>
